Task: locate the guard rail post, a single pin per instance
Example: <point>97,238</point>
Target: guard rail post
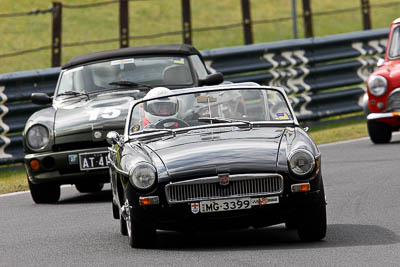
<point>186,22</point>
<point>366,14</point>
<point>307,16</point>
<point>123,23</point>
<point>246,21</point>
<point>56,34</point>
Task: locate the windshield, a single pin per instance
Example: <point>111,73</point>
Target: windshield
<point>205,108</point>
<point>128,72</point>
<point>394,49</point>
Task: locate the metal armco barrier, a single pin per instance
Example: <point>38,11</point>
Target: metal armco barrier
<point>323,76</point>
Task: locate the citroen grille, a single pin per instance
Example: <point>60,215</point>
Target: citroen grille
<point>210,188</point>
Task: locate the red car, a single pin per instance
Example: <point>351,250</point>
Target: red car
<point>383,88</point>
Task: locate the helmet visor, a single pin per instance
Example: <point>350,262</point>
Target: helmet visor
<point>161,108</point>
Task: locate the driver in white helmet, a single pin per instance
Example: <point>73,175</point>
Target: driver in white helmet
<point>160,109</point>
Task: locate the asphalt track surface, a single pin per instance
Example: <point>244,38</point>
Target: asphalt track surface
<point>362,183</point>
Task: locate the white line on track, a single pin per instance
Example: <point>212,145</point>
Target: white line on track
<point>24,192</point>
<point>13,194</point>
<point>351,141</point>
<point>344,142</point>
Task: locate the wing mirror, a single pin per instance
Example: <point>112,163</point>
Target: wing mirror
<point>212,79</point>
<point>112,137</point>
<point>380,62</point>
<point>41,98</point>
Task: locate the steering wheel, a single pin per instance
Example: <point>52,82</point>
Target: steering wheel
<point>172,123</point>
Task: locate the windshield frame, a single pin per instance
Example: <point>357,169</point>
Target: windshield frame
<point>193,75</point>
<point>139,135</point>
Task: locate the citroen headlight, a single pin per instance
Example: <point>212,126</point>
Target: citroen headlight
<point>143,175</point>
<point>37,137</point>
<point>301,162</point>
<point>377,85</point>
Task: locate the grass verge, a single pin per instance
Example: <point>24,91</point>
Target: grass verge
<point>14,179</point>
<point>339,131</point>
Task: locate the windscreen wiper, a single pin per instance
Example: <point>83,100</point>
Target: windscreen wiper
<point>73,93</point>
<point>223,120</point>
<point>131,84</point>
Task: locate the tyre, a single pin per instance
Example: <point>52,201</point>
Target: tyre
<point>44,193</point>
<point>312,227</point>
<point>139,234</point>
<point>312,224</point>
<point>115,210</point>
<point>89,187</point>
<point>379,132</point>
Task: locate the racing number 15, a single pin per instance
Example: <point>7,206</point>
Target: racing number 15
<point>106,113</point>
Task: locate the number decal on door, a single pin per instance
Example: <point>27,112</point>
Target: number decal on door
<point>106,113</point>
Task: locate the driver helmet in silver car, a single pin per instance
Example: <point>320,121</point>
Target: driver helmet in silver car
<point>159,109</point>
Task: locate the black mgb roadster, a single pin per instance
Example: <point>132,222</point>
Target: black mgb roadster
<point>218,157</point>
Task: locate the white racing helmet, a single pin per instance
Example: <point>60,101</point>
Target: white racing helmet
<point>159,109</point>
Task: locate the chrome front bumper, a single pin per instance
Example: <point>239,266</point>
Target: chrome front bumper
<point>376,116</point>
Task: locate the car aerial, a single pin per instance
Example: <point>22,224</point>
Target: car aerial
<point>383,91</point>
<point>65,143</point>
<point>215,157</point>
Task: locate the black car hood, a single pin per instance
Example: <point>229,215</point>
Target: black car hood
<point>77,120</point>
<point>206,155</point>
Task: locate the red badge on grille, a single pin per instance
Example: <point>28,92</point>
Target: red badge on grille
<point>223,178</point>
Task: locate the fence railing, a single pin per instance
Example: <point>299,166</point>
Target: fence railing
<point>186,31</point>
<point>323,76</point>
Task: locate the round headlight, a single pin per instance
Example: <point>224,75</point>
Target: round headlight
<point>143,175</point>
<point>377,85</point>
<point>301,162</point>
<point>37,137</point>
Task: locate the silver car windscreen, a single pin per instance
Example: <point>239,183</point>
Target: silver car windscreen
<point>152,71</point>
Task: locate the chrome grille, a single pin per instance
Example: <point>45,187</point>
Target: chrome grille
<point>239,186</point>
<point>393,102</point>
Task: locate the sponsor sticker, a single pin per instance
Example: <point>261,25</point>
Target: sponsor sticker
<point>122,61</point>
<point>135,128</point>
<point>264,201</point>
<point>73,159</point>
<point>282,116</point>
<point>179,60</point>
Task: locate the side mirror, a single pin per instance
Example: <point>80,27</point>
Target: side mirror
<point>212,79</point>
<point>112,137</point>
<point>41,99</point>
<point>380,62</point>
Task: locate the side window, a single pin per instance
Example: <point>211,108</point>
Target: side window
<point>199,67</point>
<point>394,50</point>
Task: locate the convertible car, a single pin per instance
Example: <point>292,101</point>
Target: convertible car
<point>65,143</point>
<point>216,157</point>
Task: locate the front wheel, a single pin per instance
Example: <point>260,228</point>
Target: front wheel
<point>312,225</point>
<point>379,132</point>
<point>139,234</point>
<point>44,193</point>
